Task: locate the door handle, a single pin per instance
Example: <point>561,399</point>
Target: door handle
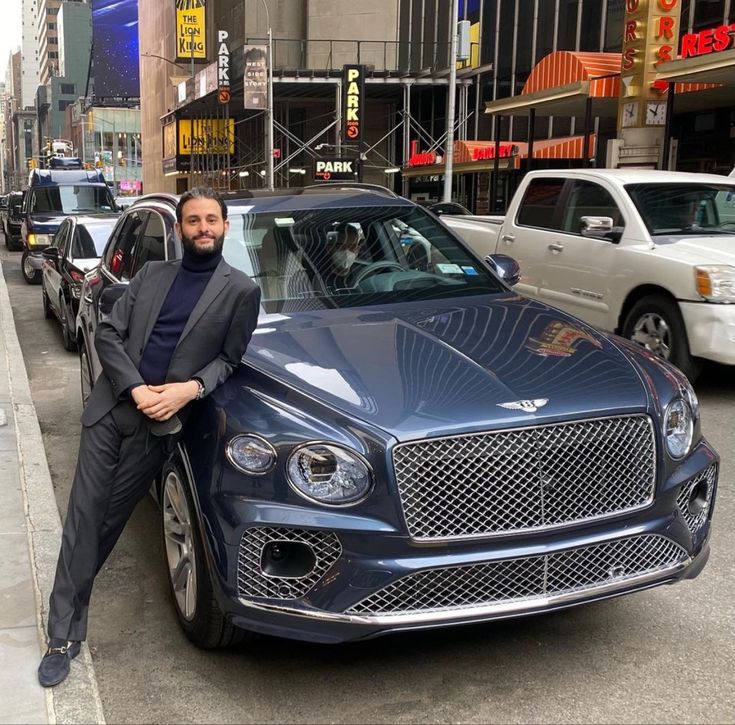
<point>508,238</point>
<point>556,247</point>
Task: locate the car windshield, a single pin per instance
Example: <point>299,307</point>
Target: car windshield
<point>71,199</point>
<point>685,208</point>
<point>352,257</point>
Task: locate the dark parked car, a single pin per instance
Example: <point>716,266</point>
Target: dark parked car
<point>416,447</point>
<point>13,221</point>
<point>77,247</point>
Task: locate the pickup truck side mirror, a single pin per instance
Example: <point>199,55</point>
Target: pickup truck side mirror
<point>505,267</point>
<point>109,296</point>
<point>600,227</point>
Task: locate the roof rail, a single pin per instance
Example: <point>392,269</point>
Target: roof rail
<point>384,190</point>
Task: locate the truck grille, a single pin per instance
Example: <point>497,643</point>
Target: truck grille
<point>523,580</point>
<point>525,479</point>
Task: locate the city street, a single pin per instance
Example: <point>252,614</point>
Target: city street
<point>658,656</point>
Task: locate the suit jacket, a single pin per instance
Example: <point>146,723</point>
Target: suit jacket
<point>211,345</point>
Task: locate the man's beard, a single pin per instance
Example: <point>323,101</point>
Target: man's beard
<point>190,246</point>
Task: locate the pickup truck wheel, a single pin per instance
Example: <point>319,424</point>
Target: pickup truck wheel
<point>30,275</point>
<point>189,579</point>
<point>655,323</point>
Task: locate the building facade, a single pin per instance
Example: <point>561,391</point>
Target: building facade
<point>47,33</point>
<point>29,54</point>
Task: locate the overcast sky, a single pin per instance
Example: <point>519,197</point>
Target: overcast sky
<point>9,32</point>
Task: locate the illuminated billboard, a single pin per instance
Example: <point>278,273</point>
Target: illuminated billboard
<point>115,73</point>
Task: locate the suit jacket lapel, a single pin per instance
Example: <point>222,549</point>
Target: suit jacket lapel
<point>167,276</point>
<point>216,284</point>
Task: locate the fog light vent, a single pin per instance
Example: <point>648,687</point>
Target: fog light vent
<point>283,563</point>
<point>695,498</point>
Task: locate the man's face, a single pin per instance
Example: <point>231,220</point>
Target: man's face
<point>202,229</point>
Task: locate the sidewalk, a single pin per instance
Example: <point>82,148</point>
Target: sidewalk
<point>30,532</point>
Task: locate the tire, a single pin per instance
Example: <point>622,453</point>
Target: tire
<point>30,275</point>
<point>48,313</point>
<point>67,335</point>
<point>656,324</point>
<point>85,373</point>
<point>190,584</point>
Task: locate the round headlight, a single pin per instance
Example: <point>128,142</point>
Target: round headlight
<point>678,428</point>
<point>251,454</point>
<point>329,474</point>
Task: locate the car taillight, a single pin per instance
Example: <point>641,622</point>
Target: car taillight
<point>76,276</point>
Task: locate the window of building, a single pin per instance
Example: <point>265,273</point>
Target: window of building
<point>589,37</point>
<point>567,24</point>
<point>545,33</point>
<point>63,105</point>
<point>68,89</point>
<point>53,54</point>
<point>505,48</point>
<point>614,26</point>
<point>707,14</point>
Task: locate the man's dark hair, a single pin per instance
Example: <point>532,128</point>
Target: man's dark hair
<point>200,192</point>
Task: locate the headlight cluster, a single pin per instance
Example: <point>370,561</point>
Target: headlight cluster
<point>679,427</point>
<point>329,474</point>
<point>716,283</point>
<point>37,240</point>
<point>322,472</point>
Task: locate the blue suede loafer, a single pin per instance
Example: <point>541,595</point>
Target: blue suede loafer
<point>56,662</point>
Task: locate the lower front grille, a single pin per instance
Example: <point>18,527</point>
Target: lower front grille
<point>695,498</point>
<point>253,581</point>
<point>523,580</point>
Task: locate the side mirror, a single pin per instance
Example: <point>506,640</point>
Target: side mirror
<point>505,267</point>
<point>109,296</point>
<point>600,227</point>
<point>51,254</point>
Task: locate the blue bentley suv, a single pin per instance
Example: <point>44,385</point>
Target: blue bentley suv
<point>408,443</point>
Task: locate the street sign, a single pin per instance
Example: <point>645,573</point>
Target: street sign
<point>353,93</point>
<point>276,153</point>
<point>224,95</point>
<point>336,169</point>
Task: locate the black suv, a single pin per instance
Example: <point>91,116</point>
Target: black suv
<point>12,218</point>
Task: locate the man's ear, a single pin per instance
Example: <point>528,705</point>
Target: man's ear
<point>177,229</point>
<point>227,226</point>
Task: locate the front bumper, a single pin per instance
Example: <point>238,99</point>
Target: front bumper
<point>711,330</point>
<point>370,580</point>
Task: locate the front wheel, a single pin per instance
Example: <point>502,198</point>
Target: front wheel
<point>656,324</point>
<point>189,580</point>
<point>30,274</point>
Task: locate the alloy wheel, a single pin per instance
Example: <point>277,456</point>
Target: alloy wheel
<point>180,552</point>
<point>652,331</point>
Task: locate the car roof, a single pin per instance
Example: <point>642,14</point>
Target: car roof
<point>636,176</point>
<point>89,220</point>
<point>302,198</point>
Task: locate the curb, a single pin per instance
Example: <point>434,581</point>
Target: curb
<point>77,700</point>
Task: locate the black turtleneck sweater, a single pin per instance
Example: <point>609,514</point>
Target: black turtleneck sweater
<point>193,276</point>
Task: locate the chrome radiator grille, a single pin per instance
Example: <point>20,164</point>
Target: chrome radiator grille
<point>525,479</point>
<point>252,581</point>
<point>573,571</point>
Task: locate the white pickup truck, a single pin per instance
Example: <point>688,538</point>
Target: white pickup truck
<point>647,254</point>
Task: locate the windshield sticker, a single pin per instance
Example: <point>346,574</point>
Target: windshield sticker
<point>470,271</point>
<point>449,268</point>
<point>285,221</point>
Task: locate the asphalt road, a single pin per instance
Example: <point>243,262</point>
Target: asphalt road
<point>665,655</point>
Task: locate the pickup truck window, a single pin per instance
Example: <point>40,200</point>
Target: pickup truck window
<point>539,204</point>
<point>677,209</point>
<point>588,199</point>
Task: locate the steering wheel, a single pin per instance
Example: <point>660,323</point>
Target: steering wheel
<point>373,267</point>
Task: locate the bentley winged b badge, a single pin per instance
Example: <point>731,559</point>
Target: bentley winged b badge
<point>527,406</point>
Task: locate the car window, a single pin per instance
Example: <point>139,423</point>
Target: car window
<point>539,203</point>
<point>89,241</point>
<point>394,253</point>
<point>152,242</point>
<point>588,199</point>
<point>120,255</point>
<point>62,237</point>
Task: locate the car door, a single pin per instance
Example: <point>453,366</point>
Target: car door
<point>535,225</point>
<point>576,266</point>
<point>151,246</point>
<point>52,270</point>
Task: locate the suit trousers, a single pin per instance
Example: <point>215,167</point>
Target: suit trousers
<point>118,460</point>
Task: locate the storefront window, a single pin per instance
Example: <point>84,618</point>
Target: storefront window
<point>708,13</point>
<point>589,37</point>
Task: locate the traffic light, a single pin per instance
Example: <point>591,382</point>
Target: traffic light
<point>31,164</point>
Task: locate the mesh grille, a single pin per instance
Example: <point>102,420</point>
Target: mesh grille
<point>531,478</point>
<point>694,517</point>
<point>252,581</point>
<point>529,578</point>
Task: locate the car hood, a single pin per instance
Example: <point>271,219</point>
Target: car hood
<point>716,249</point>
<point>45,223</point>
<point>450,366</point>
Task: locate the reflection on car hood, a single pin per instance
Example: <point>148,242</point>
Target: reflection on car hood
<point>45,223</point>
<point>435,368</point>
<point>713,249</point>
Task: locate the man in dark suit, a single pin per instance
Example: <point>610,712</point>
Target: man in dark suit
<point>177,332</point>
